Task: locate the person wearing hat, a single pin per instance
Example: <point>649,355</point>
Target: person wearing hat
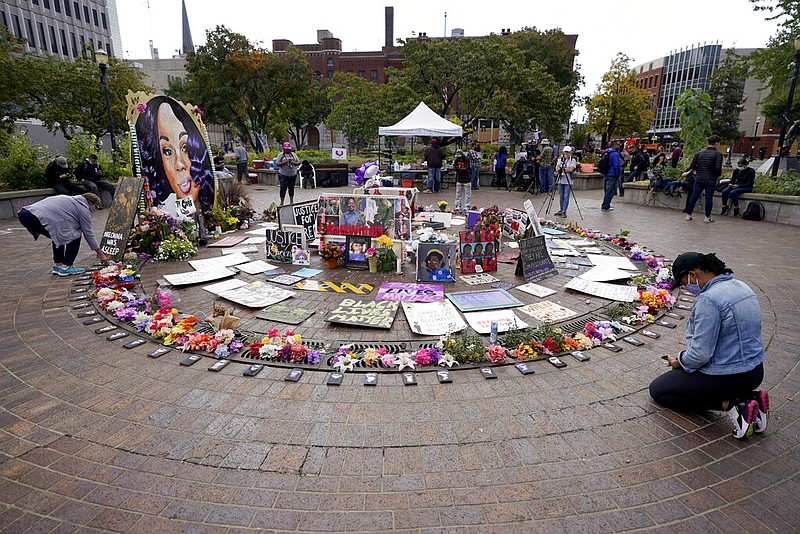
<point>434,157</point>
<point>287,163</point>
<point>463,181</point>
<point>240,154</point>
<point>546,167</point>
<point>564,170</point>
<point>59,177</point>
<point>723,362</point>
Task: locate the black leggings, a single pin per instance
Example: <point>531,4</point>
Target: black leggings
<point>65,254</point>
<point>287,182</point>
<point>697,391</point>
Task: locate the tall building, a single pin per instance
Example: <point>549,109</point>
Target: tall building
<point>64,28</point>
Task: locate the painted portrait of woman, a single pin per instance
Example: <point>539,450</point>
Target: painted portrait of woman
<point>175,158</point>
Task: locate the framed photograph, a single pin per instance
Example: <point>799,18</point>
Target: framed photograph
<point>435,262</point>
<point>478,251</point>
<point>355,257</point>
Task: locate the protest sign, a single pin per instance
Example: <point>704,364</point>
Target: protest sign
<point>368,313</point>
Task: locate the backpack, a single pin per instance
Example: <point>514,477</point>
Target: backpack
<point>604,165</point>
<point>754,211</point>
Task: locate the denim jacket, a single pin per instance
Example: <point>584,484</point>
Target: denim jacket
<point>723,333</point>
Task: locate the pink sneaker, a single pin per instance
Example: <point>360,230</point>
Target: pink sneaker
<point>762,399</point>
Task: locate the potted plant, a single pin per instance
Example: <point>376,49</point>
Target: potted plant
<point>372,259</point>
<point>331,253</point>
<point>386,255</point>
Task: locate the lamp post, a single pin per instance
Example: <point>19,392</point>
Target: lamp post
<point>102,62</point>
<point>788,109</point>
<point>755,133</point>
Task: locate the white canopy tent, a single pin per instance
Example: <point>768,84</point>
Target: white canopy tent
<point>422,121</point>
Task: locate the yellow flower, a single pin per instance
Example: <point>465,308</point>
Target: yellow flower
<point>385,241</point>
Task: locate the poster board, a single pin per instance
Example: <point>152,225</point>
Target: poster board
<point>404,292</point>
<point>364,312</point>
<point>535,259</point>
<point>120,217</point>
<point>436,262</point>
<point>256,295</point>
<point>515,222</point>
<point>281,244</point>
<point>533,219</point>
<point>489,299</point>
<point>433,318</point>
<point>603,290</point>
<point>303,214</point>
<point>482,321</point>
<point>478,251</point>
<point>548,312</point>
<point>198,277</point>
<point>286,314</point>
<point>365,215</point>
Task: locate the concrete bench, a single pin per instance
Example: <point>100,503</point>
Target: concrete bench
<point>778,208</point>
<point>13,201</point>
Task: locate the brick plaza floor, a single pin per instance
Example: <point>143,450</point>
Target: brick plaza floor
<point>95,437</point>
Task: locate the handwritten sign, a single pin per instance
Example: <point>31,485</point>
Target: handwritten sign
<point>606,291</point>
<point>535,259</point>
<point>433,318</point>
<point>481,322</point>
<point>281,244</point>
<point>368,313</point>
<point>120,218</point>
<point>256,295</point>
<point>198,277</point>
<point>548,312</point>
<point>303,214</point>
<point>410,292</point>
<point>489,299</point>
<point>284,313</point>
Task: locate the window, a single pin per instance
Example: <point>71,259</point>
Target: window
<point>64,47</point>
<point>99,45</point>
<point>83,46</point>
<point>330,74</point>
<point>31,35</point>
<point>66,8</point>
<point>373,76</point>
<point>77,10</point>
<point>42,37</point>
<point>17,26</point>
<point>5,20</point>
<point>35,2</point>
<point>86,14</point>
<point>362,73</point>
<point>47,4</point>
<point>94,16</point>
<point>91,44</point>
<point>103,19</point>
<point>57,3</point>
<point>330,62</point>
<point>53,41</point>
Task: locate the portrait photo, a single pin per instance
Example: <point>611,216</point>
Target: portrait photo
<point>435,262</point>
<point>357,246</point>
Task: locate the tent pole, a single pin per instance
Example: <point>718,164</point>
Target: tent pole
<point>379,152</point>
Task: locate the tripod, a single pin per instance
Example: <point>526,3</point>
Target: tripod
<point>552,194</point>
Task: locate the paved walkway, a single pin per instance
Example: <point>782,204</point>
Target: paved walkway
<point>95,437</point>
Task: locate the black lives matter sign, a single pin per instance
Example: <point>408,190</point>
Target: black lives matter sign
<point>368,313</point>
<point>535,259</point>
<point>120,218</point>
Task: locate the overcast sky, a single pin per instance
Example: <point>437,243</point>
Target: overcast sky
<point>636,28</point>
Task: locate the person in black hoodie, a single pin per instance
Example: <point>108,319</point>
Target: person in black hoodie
<point>742,181</point>
<point>707,168</point>
<point>92,175</point>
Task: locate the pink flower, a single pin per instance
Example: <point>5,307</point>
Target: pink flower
<point>198,110</point>
<point>496,353</point>
<point>140,108</point>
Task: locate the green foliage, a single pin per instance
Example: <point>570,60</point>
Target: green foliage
<point>83,144</point>
<point>357,111</point>
<point>727,96</point>
<point>22,165</point>
<point>617,310</point>
<point>618,107</point>
<point>787,184</point>
<point>694,109</point>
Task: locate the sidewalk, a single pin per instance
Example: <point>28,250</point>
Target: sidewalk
<point>96,437</point>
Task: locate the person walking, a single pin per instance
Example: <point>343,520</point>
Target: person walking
<point>434,157</point>
<point>707,168</point>
<point>240,154</point>
<point>287,163</point>
<point>611,177</point>
<point>91,174</point>
<point>723,363</point>
<point>63,219</point>
<point>564,171</point>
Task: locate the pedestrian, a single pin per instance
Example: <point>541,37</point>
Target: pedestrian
<point>611,177</point>
<point>91,174</point>
<point>474,156</point>
<point>287,163</point>
<point>677,154</point>
<point>59,177</point>
<point>463,182</point>
<point>63,219</point>
<point>240,154</point>
<point>723,363</point>
<point>500,159</point>
<point>564,170</point>
<point>707,167</point>
<point>742,181</point>
<point>546,167</point>
<point>434,157</point>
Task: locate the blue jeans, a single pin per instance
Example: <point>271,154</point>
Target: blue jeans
<point>563,197</point>
<point>475,175</point>
<point>610,188</point>
<point>734,193</point>
<point>700,186</point>
<point>434,179</point>
<point>546,178</point>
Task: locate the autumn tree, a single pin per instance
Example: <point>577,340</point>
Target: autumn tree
<point>618,107</point>
<point>726,89</point>
<point>311,107</point>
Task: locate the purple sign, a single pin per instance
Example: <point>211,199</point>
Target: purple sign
<point>410,292</point>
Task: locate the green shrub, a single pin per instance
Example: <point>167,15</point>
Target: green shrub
<point>83,144</point>
<point>22,166</point>
<point>788,184</point>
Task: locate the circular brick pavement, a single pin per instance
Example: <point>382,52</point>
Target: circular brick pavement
<point>98,437</point>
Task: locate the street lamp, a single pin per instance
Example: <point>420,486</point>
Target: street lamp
<point>101,58</point>
<point>755,133</point>
<point>787,110</point>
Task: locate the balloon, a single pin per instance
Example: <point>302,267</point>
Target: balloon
<point>371,171</point>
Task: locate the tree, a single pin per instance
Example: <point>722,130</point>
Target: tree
<point>311,107</point>
<point>618,107</point>
<point>726,89</point>
<point>773,65</point>
<point>357,109</point>
<point>694,110</point>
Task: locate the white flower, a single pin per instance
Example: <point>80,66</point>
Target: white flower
<point>344,362</point>
<point>114,305</point>
<point>268,351</point>
<point>448,360</point>
<point>403,360</point>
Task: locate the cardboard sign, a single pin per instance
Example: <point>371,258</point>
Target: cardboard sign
<point>368,313</point>
<point>548,312</point>
<point>228,241</point>
<point>410,292</point>
<point>478,279</point>
<point>334,287</point>
<point>120,218</point>
<point>281,244</point>
<point>535,259</point>
<point>481,322</point>
<point>303,214</point>
<point>478,251</point>
<point>198,277</point>
<point>256,295</point>
<point>515,222</point>
<point>533,219</point>
<point>606,291</point>
<point>284,313</point>
<point>433,318</point>
<point>489,299</point>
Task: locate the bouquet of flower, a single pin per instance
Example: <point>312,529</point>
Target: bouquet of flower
<point>371,252</point>
<point>283,347</point>
<point>175,248</point>
<point>330,251</point>
<point>656,297</point>
<point>443,206</point>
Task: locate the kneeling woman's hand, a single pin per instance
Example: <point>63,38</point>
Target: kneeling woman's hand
<point>673,362</point>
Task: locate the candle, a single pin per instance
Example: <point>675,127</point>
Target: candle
<point>399,266</point>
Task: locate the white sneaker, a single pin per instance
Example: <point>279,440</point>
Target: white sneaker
<point>743,417</point>
<point>688,217</point>
<point>709,220</point>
